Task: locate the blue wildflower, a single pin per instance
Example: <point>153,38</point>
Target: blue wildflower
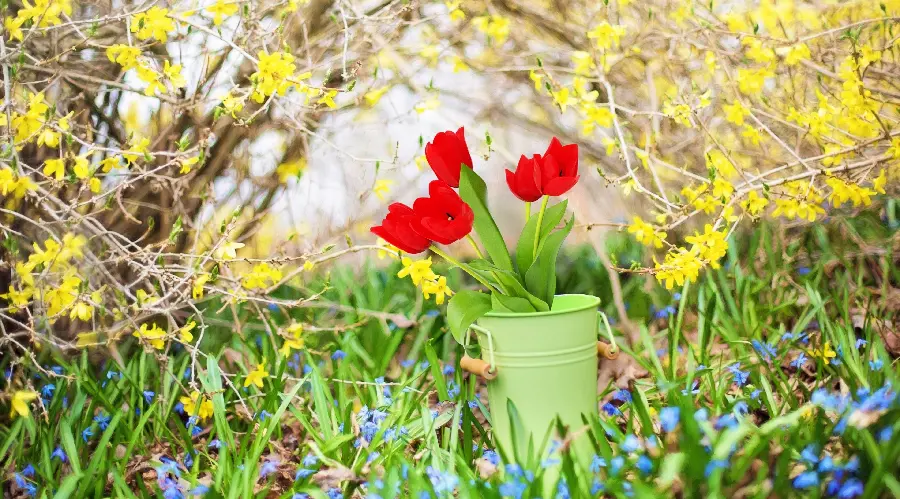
<point>562,490</point>
<point>215,444</point>
<point>713,466</point>
<point>188,460</point>
<point>597,487</point>
<point>622,396</point>
<point>443,482</point>
<point>268,467</point>
<point>87,433</point>
<point>630,444</point>
<point>47,390</point>
<point>766,351</point>
<point>406,364</point>
<point>338,355</point>
<point>263,415</point>
<point>616,464</point>
<point>885,434</point>
<point>806,480</point>
<point>303,473</point>
<point>701,415</point>
<point>876,364</point>
<point>851,488</point>
<point>644,464</point>
<point>199,490</point>
<point>597,462</point>
<point>59,453</point>
<point>148,396</point>
<point>740,377</point>
<point>491,457</point>
<point>798,362</point>
<point>310,460</point>
<point>611,410</point>
<point>20,480</point>
<point>448,370</point>
<point>741,407</point>
<point>102,421</point>
<point>861,343</point>
<point>668,418</point>
<point>452,390</point>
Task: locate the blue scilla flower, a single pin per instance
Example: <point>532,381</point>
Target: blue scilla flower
<point>562,490</point>
<point>622,396</point>
<point>268,467</point>
<point>616,464</point>
<point>766,351</point>
<point>310,459</point>
<point>850,489</point>
<point>338,355</point>
<point>876,364</point>
<point>861,343</point>
<point>630,444</point>
<point>215,444</point>
<point>87,433</point>
<point>644,464</point>
<point>726,421</point>
<point>59,453</point>
<point>28,470</point>
<point>885,434</point>
<point>741,407</point>
<point>701,414</point>
<point>806,480</point>
<point>448,370</point>
<point>47,390</point>
<point>611,410</point>
<point>20,480</point>
<point>406,364</point>
<point>714,465</point>
<point>740,377</point>
<point>263,415</point>
<point>491,457</point>
<point>303,474</point>
<point>597,462</point>
<point>668,418</point>
<point>798,361</point>
<point>597,487</point>
<point>334,493</point>
<point>102,421</point>
<point>148,396</point>
<point>452,390</point>
<point>443,482</point>
<point>199,490</point>
<point>513,487</point>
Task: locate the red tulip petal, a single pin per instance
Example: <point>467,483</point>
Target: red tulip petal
<point>559,186</point>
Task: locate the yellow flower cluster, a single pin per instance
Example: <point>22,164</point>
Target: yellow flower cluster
<point>799,200</point>
<point>293,341</point>
<point>197,404</point>
<point>646,233</point>
<point>494,27</point>
<point>42,14</point>
<point>421,274</point>
<point>130,58</point>
<point>261,276</point>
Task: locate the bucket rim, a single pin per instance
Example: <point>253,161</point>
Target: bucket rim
<point>594,303</point>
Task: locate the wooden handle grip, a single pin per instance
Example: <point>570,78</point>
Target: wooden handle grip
<point>606,350</point>
<point>477,367</point>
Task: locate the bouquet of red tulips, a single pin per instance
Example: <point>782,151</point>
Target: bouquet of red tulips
<point>525,282</point>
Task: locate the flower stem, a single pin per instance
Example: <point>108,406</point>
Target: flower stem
<point>459,265</point>
<point>475,245</point>
<point>527,211</point>
<point>540,220</point>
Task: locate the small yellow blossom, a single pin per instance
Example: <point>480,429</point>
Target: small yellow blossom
<point>197,404</point>
<point>754,204</point>
<point>227,250</point>
<point>256,376</point>
<point>197,287</point>
<point>152,334</point>
<point>417,270</point>
<point>20,403</point>
<point>185,333</point>
<point>154,23</point>
<point>220,10</point>
<point>710,246</point>
<point>438,288</point>
<point>290,169</point>
<point>646,234</point>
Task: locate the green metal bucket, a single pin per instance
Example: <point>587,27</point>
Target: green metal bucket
<point>546,365</point>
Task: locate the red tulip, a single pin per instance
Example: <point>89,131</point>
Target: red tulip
<point>446,153</point>
<point>559,169</point>
<point>525,183</point>
<point>442,217</point>
<point>396,229</point>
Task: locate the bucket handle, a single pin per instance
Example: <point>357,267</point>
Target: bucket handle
<point>610,350</point>
<point>479,367</point>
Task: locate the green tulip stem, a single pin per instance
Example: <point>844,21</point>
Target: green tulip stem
<point>459,265</point>
<point>527,211</point>
<point>475,245</point>
<point>540,220</point>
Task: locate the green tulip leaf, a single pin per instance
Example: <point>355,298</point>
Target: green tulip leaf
<point>464,308</point>
<point>540,280</point>
<point>503,303</point>
<point>525,248</point>
<point>510,281</point>
<point>474,192</point>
